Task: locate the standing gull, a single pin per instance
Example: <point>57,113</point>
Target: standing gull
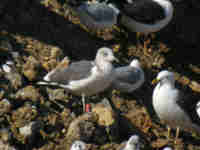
<point>129,78</point>
<point>78,145</point>
<point>172,106</point>
<point>84,78</point>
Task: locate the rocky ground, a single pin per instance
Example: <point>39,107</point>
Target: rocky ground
<point>37,35</point>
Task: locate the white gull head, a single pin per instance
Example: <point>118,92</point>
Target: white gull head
<point>104,59</point>
<point>166,76</point>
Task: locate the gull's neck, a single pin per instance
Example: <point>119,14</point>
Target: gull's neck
<point>104,66</point>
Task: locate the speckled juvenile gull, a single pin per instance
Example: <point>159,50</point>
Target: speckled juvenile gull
<point>172,106</point>
<point>78,145</point>
<point>95,15</point>
<point>84,78</point>
<point>132,144</point>
<point>128,78</point>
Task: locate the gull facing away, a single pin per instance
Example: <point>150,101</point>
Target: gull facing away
<point>84,78</point>
<point>128,78</point>
<point>95,15</point>
<point>144,16</point>
<point>78,145</point>
<point>172,106</point>
<point>132,144</point>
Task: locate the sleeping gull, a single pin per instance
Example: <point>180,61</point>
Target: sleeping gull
<point>144,16</point>
<point>128,78</point>
<point>78,145</point>
<point>95,15</point>
<point>172,106</point>
<point>84,78</point>
<point>132,144</point>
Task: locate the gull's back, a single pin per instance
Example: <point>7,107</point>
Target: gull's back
<point>128,79</point>
<point>75,71</point>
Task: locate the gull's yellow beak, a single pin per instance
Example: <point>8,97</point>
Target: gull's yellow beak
<point>154,81</point>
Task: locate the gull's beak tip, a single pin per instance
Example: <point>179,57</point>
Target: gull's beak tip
<point>154,81</point>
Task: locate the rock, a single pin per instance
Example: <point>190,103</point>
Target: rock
<point>6,146</point>
<point>28,93</point>
<point>30,130</point>
<point>107,118</point>
<point>82,128</point>
<point>12,75</point>
<point>5,135</point>
<point>5,45</point>
<point>57,94</point>
<point>5,106</point>
<point>2,92</point>
<point>195,86</point>
<point>23,115</point>
<point>105,113</point>
<point>31,68</point>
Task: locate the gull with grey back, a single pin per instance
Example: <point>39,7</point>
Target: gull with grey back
<point>128,78</point>
<point>84,78</point>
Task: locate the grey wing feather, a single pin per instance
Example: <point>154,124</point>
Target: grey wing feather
<point>128,74</point>
<point>98,11</point>
<point>75,71</point>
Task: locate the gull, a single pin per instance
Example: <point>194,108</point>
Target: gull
<point>172,106</point>
<point>128,78</point>
<point>78,145</point>
<point>132,144</point>
<point>84,78</point>
<point>143,16</point>
<point>95,15</point>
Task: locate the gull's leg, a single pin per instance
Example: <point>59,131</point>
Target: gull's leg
<point>177,134</point>
<point>168,132</point>
<point>83,101</point>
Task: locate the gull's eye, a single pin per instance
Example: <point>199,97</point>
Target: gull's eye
<point>105,54</point>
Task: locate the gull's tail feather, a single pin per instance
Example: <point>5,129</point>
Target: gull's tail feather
<point>47,83</point>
